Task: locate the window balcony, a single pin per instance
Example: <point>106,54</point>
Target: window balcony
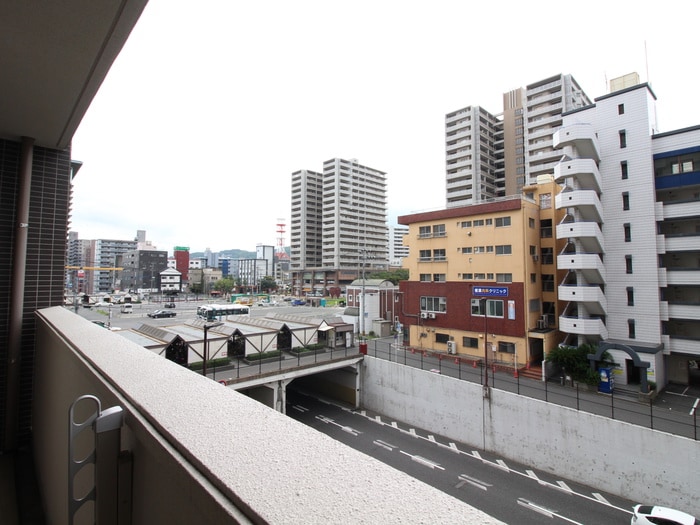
<point>589,264</point>
<point>586,202</point>
<point>591,296</point>
<point>590,326</point>
<point>588,234</point>
<point>581,137</point>
<point>585,171</point>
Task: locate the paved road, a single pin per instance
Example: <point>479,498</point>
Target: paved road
<point>504,489</point>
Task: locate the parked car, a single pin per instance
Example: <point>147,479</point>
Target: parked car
<point>127,308</point>
<point>161,313</point>
<point>298,302</point>
<point>169,305</point>
<point>651,514</point>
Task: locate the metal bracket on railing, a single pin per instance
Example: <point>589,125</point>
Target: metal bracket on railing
<point>103,448</point>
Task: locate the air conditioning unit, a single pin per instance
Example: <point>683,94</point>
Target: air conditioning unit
<point>431,315</point>
<point>423,315</point>
<point>451,347</point>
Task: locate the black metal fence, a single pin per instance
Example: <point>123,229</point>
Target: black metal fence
<point>677,417</point>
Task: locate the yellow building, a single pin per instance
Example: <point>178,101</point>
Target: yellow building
<point>483,278</point>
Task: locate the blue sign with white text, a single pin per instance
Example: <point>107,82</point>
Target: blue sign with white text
<point>491,291</point>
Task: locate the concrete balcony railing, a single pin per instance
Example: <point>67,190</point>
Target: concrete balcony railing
<point>200,452</point>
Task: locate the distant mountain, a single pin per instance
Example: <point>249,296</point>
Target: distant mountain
<point>233,254</point>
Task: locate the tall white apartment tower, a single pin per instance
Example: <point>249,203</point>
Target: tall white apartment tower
<point>470,155</point>
<point>493,155</point>
<point>355,232</point>
<point>632,201</point>
<point>306,220</point>
<point>397,249</point>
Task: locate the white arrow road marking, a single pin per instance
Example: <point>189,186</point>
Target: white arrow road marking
<point>544,511</point>
<point>344,428</point>
<point>394,424</point>
<point>423,461</point>
<point>601,498</point>
<point>412,431</point>
<point>454,447</point>
<point>384,445</point>
<point>464,479</point>
<point>300,408</point>
<point>564,487</point>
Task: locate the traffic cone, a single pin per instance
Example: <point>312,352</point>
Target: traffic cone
<point>456,360</point>
<point>515,373</point>
<point>473,364</point>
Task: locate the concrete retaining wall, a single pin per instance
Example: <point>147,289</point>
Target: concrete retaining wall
<point>633,462</point>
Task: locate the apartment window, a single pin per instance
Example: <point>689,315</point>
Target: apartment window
<point>628,232</point>
<point>439,277</point>
<point>502,221</point>
<point>489,222</point>
<point>439,230</point>
<point>520,160</point>
<point>625,201</point>
<point>480,276</point>
<point>533,250</point>
<point>545,201</point>
<point>466,224</point>
<point>531,222</point>
<point>439,255</point>
<point>433,304</point>
<point>479,249</point>
<point>628,264</point>
<point>470,342</point>
<point>489,249</point>
<point>631,329</point>
<point>623,138</point>
<point>504,249</point>
<point>507,348</point>
<point>546,228</point>
<point>489,277</point>
<point>425,255</point>
<point>535,305</point>
<point>478,222</point>
<point>547,282</point>
<point>620,109</point>
<point>424,232</point>
<point>547,255</point>
<point>425,277</point>
<point>467,276</point>
<point>442,338</point>
<point>623,170</point>
<point>466,249</point>
<point>533,278</point>
<point>519,140</point>
<point>504,277</point>
<point>630,296</point>
<point>494,307</point>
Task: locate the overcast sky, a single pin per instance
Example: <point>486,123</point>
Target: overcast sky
<point>213,104</point>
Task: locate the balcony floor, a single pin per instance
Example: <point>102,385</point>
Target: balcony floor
<point>19,494</point>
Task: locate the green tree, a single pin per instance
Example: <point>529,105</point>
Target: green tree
<point>394,275</point>
<point>268,283</point>
<point>574,360</point>
<point>224,285</point>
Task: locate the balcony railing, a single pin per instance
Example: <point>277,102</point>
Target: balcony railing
<point>195,451</point>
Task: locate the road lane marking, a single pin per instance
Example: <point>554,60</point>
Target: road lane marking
<point>544,510</point>
<point>601,498</point>
<point>300,408</point>
<point>564,487</point>
<point>474,482</point>
<point>423,461</point>
<point>384,445</point>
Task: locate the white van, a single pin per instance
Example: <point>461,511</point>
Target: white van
<point>127,308</point>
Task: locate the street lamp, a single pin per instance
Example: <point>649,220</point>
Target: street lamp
<point>205,352</point>
<point>486,343</point>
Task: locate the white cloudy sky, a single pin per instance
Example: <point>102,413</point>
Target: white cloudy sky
<point>213,104</point>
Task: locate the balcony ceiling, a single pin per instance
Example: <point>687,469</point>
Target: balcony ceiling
<point>53,57</point>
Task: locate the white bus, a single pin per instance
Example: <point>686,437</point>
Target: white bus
<point>212,312</point>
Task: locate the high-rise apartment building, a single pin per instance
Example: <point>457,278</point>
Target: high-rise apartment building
<point>492,155</point>
<point>632,202</point>
<point>398,250</point>
<point>338,226</point>
<point>104,254</point>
